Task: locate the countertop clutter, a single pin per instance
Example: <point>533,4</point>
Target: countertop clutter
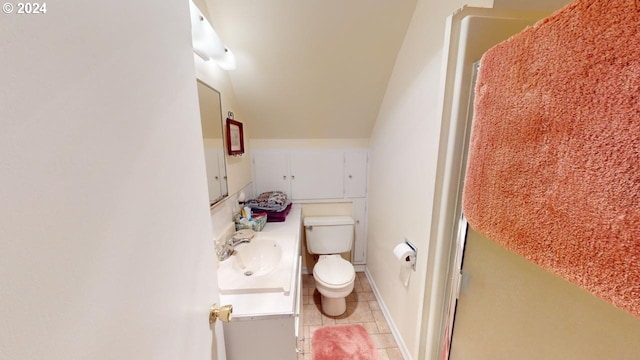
<point>275,205</point>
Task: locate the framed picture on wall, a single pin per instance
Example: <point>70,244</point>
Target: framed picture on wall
<point>235,137</point>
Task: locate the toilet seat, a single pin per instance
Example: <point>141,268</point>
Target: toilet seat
<point>333,271</point>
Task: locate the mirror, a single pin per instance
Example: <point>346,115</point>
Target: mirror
<point>211,120</point>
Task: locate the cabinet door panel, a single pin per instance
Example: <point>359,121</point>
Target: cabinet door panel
<point>271,171</point>
<point>317,174</point>
<point>360,243</point>
<point>355,174</point>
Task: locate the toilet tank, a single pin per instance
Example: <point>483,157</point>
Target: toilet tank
<point>328,234</point>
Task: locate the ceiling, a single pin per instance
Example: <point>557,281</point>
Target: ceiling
<point>309,69</point>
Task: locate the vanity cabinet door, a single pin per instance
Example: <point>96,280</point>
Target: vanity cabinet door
<point>271,171</point>
<point>355,173</point>
<point>317,174</point>
<point>360,241</point>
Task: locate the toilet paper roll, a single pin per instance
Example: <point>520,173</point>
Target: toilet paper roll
<point>404,253</point>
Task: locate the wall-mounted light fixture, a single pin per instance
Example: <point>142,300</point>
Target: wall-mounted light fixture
<point>207,43</point>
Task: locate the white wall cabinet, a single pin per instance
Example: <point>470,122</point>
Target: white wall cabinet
<point>316,174</point>
<point>271,171</point>
<point>312,174</point>
<point>355,173</point>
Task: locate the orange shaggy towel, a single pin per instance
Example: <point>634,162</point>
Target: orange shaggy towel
<point>554,163</point>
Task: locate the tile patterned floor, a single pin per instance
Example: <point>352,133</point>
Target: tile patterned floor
<point>362,308</point>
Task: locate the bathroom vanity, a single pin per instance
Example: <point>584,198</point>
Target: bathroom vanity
<point>266,314</point>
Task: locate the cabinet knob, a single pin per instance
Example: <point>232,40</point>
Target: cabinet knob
<point>284,177</point>
<point>293,177</point>
<point>350,176</point>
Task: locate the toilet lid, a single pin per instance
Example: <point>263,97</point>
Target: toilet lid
<point>334,271</point>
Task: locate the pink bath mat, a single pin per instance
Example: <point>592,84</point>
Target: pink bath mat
<point>343,342</point>
<point>554,160</point>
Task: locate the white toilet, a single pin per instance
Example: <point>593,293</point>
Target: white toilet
<point>328,236</point>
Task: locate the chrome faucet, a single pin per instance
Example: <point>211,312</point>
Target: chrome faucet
<point>233,242</point>
<point>226,249</point>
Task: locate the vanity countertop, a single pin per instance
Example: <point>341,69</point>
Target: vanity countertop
<point>248,306</point>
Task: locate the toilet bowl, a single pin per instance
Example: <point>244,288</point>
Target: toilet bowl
<point>335,278</point>
<point>328,237</point>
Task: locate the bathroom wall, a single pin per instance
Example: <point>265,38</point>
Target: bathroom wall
<point>404,153</point>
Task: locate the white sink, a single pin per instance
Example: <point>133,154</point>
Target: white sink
<point>262,265</point>
<point>257,258</point>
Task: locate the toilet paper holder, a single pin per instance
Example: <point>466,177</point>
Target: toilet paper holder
<point>413,258</point>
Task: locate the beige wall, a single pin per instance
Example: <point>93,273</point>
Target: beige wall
<point>511,308</point>
<point>404,153</point>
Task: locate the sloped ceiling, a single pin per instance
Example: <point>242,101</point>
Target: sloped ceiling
<point>311,68</point>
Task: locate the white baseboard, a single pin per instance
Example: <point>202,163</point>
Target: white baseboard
<point>394,330</point>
